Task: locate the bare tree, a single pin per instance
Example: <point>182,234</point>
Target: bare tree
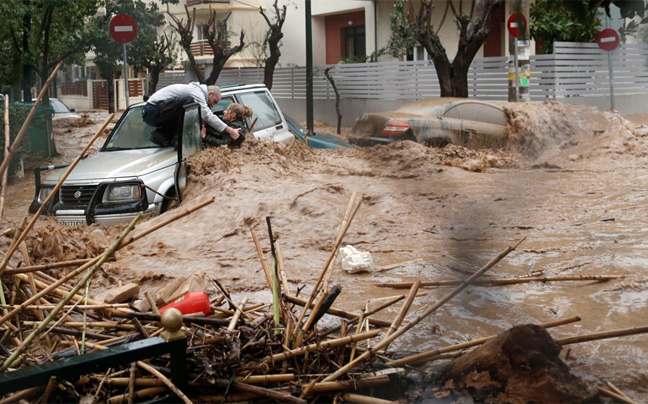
<point>273,39</point>
<point>185,31</point>
<point>473,27</point>
<point>217,35</point>
<point>327,73</point>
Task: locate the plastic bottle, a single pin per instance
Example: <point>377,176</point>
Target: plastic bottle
<point>192,302</point>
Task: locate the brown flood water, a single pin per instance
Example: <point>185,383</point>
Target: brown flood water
<point>573,183</point>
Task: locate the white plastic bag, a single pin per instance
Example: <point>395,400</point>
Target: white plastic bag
<point>355,261</point>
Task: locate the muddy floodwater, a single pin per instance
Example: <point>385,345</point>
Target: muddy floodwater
<point>573,182</point>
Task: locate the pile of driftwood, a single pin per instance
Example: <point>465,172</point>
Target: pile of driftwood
<point>239,352</point>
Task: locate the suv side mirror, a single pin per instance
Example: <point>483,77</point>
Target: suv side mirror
<point>72,109</point>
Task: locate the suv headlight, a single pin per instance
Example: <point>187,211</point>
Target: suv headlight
<point>44,193</point>
<point>122,193</point>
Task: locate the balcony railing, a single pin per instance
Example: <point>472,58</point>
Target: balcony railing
<point>201,48</point>
<point>199,2</point>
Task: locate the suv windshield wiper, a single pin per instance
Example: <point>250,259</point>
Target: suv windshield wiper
<point>115,148</point>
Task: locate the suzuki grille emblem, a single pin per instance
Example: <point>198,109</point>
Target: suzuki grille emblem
<point>77,194</point>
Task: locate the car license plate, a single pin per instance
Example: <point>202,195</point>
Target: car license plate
<point>72,222</point>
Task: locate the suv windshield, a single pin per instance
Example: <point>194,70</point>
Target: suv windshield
<point>131,133</point>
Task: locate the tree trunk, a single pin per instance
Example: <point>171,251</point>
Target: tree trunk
<point>272,61</point>
<point>27,70</point>
<point>154,77</point>
<point>16,75</point>
<point>111,94</point>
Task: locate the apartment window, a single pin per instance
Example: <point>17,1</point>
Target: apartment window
<point>354,42</point>
<point>416,53</point>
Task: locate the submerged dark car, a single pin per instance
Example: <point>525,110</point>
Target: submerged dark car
<point>435,122</point>
<point>318,140</point>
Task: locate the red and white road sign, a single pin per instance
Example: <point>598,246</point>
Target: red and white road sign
<point>608,39</point>
<point>123,28</point>
<point>516,24</point>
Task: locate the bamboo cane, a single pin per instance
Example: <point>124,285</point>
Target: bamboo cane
<point>79,307</point>
<point>504,281</point>
<point>425,356</point>
<point>94,260</point>
<point>390,302</point>
<point>403,311</point>
<point>345,220</point>
<point>131,383</point>
<point>92,324</point>
<point>46,267</point>
<point>20,349</point>
<point>339,313</point>
<point>148,392</point>
<point>616,390</point>
<point>603,335</point>
<point>23,394</point>
<point>318,347</point>
<point>6,152</point>
<point>620,393</point>
<point>264,264</point>
<point>165,380</point>
<point>252,379</point>
<point>282,273</point>
<point>45,204</point>
<point>57,292</point>
<point>432,309</point>
<point>14,146</point>
<point>12,245</point>
<point>344,226</point>
<point>48,390</point>
<point>268,393</point>
<point>360,399</point>
<point>237,314</point>
<point>616,396</point>
<point>350,384</point>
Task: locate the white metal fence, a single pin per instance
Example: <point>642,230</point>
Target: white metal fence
<point>581,69</point>
<point>574,70</point>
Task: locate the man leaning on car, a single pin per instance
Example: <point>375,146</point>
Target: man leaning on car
<point>163,109</point>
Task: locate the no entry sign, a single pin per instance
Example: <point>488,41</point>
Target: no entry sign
<point>516,24</point>
<point>123,28</point>
<point>608,39</point>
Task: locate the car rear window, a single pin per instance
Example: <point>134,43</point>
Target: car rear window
<point>263,108</point>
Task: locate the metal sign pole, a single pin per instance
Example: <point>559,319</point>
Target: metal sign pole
<point>517,71</point>
<point>611,79</point>
<point>611,72</point>
<point>125,76</point>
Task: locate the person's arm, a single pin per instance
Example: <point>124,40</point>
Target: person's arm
<point>215,122</point>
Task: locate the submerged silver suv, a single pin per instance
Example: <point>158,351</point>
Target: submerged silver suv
<point>132,174</point>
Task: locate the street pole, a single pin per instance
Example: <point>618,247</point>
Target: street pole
<point>125,76</point>
<point>309,69</point>
<point>517,71</point>
<point>609,57</point>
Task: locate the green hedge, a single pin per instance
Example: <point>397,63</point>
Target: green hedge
<point>17,115</point>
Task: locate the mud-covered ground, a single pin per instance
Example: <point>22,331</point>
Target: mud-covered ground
<point>572,181</point>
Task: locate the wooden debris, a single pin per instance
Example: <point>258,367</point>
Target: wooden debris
<point>122,294</point>
<point>242,350</point>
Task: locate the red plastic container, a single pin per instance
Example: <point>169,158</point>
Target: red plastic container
<point>192,302</point>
